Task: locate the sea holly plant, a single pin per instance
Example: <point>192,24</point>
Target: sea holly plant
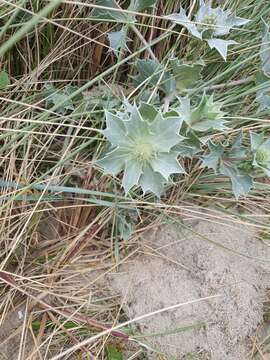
<point>143,142</point>
<point>231,160</point>
<point>260,148</point>
<point>206,116</point>
<point>209,25</point>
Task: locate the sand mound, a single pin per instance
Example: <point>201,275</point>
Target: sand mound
<point>157,279</point>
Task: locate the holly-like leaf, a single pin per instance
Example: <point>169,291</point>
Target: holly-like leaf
<point>190,145</point>
<point>141,5</point>
<point>265,50</point>
<point>132,173</point>
<point>154,74</point>
<point>182,19</point>
<point>166,164</point>
<point>206,116</point>
<point>152,181</point>
<point>256,140</point>
<point>186,76</point>
<point>115,132</point>
<point>212,160</point>
<point>221,46</point>
<point>165,132</point>
<point>241,183</point>
<point>217,20</point>
<point>4,80</point>
<point>111,11</point>
<point>237,151</point>
<point>114,161</point>
<point>148,112</point>
<point>117,40</point>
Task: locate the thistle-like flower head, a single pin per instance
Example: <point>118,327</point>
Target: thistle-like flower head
<point>210,23</point>
<point>143,145</point>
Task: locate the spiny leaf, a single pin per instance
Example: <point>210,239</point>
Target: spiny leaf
<point>265,49</point>
<point>212,160</point>
<point>241,183</point>
<point>141,5</point>
<point>221,46</point>
<point>190,145</point>
<point>117,40</point>
<point>186,76</point>
<point>110,14</point>
<point>154,73</point>
<point>132,173</point>
<point>59,96</point>
<point>152,181</point>
<point>182,19</point>
<point>206,116</point>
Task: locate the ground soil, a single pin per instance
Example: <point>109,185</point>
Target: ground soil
<point>156,279</point>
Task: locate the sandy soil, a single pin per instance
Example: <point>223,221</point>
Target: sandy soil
<point>157,279</point>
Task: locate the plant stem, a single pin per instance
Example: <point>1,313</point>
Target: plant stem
<point>229,84</point>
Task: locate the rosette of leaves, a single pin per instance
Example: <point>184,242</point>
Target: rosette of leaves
<point>228,159</point>
<point>206,116</point>
<point>210,23</point>
<point>142,147</point>
<point>260,148</point>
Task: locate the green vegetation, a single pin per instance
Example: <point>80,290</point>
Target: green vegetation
<point>113,113</point>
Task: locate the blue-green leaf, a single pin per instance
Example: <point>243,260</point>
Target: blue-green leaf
<point>241,183</point>
<point>182,19</point>
<point>212,160</point>
<point>113,12</point>
<point>151,181</point>
<point>206,116</point>
<point>115,131</point>
<point>113,162</point>
<point>132,173</point>
<point>148,112</point>
<point>117,40</point>
<point>165,132</point>
<point>141,5</point>
<point>186,76</point>
<point>154,73</point>
<point>221,46</point>
<point>166,165</point>
<point>256,140</point>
